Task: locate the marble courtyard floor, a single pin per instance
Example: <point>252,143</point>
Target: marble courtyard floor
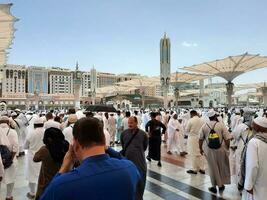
<point>168,182</point>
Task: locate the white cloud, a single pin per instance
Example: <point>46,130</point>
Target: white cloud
<point>188,44</point>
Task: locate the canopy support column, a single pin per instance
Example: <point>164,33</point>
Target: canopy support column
<point>165,97</point>
<point>229,92</point>
<point>177,95</point>
<point>264,93</point>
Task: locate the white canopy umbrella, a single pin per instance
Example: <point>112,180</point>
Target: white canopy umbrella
<point>7,30</point>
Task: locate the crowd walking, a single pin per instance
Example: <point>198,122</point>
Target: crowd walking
<point>61,147</point>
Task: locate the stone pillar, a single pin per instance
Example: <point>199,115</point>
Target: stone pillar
<point>264,94</point>
<point>201,88</point>
<point>165,97</point>
<point>177,95</point>
<point>229,92</point>
<point>77,88</point>
<point>143,96</point>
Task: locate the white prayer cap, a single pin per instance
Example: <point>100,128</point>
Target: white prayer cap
<point>29,113</point>
<point>211,113</point>
<point>72,118</point>
<point>261,121</point>
<point>17,110</point>
<point>39,121</point>
<point>4,118</point>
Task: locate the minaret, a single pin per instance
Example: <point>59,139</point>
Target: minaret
<point>165,66</point>
<point>77,86</point>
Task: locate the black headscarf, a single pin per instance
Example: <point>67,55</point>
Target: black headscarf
<point>55,142</point>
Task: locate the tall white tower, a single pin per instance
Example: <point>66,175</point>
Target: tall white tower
<point>77,86</point>
<point>93,85</point>
<point>165,66</point>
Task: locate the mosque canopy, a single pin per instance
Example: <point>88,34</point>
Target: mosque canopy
<point>7,30</point>
<point>252,85</point>
<point>141,82</point>
<point>114,89</point>
<point>155,81</point>
<point>181,78</point>
<point>231,67</point>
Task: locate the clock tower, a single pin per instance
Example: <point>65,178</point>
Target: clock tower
<point>77,86</point>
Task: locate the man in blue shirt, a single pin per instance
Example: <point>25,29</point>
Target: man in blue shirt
<point>99,176</point>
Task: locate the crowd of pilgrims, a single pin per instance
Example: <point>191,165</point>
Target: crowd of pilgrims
<point>240,150</point>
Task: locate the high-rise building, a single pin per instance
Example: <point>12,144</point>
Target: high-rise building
<point>86,84</point>
<point>37,80</point>
<point>105,79</point>
<point>127,77</point>
<point>60,81</point>
<point>15,78</point>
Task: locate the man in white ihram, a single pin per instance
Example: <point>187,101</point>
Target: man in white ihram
<point>34,142</point>
<point>193,127</point>
<point>175,141</point>
<point>256,162</point>
<point>11,141</point>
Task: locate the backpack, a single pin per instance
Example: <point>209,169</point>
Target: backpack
<point>213,138</point>
<point>6,154</point>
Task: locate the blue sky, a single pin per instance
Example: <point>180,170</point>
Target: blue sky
<point>121,36</point>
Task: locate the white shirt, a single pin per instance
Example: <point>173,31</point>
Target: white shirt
<point>68,133</point>
<point>34,140</point>
<point>112,123</point>
<point>125,123</point>
<point>51,123</point>
<point>105,123</point>
<point>12,137</point>
<point>173,125</point>
<point>235,121</point>
<point>3,141</point>
<point>139,120</point>
<point>194,125</point>
<point>256,168</point>
<point>107,137</point>
<point>240,135</point>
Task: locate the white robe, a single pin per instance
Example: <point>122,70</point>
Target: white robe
<point>193,127</point>
<point>240,135</point>
<point>51,123</point>
<point>3,141</point>
<point>175,141</point>
<point>256,169</point>
<point>10,173</point>
<point>235,121</point>
<point>68,133</point>
<point>107,137</point>
<point>34,142</point>
<point>21,130</point>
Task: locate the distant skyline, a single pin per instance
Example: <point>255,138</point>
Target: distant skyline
<point>122,36</point>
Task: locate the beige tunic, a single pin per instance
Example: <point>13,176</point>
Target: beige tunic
<point>218,159</point>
